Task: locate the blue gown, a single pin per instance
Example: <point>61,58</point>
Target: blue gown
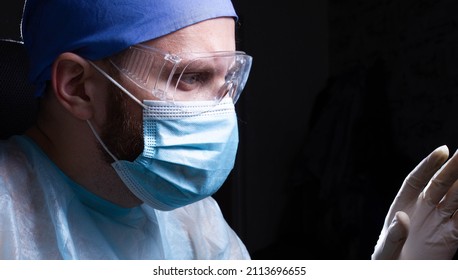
<point>45,215</point>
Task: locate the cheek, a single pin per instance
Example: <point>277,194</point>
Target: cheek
<point>136,113</point>
<point>133,110</point>
<point>101,103</point>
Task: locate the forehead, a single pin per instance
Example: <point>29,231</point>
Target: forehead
<point>207,36</point>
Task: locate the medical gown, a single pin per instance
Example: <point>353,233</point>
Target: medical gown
<point>45,215</point>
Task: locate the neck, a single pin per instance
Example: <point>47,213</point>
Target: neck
<point>76,153</point>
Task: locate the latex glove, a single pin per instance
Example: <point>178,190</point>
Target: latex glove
<point>420,223</point>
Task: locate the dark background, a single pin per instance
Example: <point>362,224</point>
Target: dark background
<point>344,99</point>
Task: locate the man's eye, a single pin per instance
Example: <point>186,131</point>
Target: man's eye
<point>192,81</point>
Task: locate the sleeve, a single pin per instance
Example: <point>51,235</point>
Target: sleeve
<point>8,231</point>
<point>8,242</point>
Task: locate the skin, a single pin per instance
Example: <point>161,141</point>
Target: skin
<point>79,93</point>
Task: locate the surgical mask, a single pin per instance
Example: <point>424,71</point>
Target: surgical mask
<point>189,150</point>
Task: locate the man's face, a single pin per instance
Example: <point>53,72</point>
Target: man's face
<point>123,130</point>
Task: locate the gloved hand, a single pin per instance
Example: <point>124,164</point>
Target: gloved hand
<point>421,222</point>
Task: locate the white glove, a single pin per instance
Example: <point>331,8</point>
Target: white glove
<point>421,223</point>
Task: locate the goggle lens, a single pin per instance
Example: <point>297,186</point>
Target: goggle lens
<point>186,76</point>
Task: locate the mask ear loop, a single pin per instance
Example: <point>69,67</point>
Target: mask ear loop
<point>125,91</point>
<point>100,140</point>
<point>117,84</point>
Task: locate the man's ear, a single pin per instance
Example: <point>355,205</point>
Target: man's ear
<point>70,75</point>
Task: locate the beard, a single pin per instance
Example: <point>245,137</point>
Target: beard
<point>123,132</point>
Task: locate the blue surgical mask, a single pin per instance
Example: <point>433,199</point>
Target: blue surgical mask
<point>186,156</point>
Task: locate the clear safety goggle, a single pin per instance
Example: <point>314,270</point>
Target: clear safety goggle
<point>185,76</point>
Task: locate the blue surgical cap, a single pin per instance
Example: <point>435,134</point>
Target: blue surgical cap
<point>95,29</point>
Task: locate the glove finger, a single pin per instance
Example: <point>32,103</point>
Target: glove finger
<point>419,177</point>
<point>455,221</point>
<point>442,180</point>
<point>395,238</point>
<point>454,236</point>
<point>449,204</point>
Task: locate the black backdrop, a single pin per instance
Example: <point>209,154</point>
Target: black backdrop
<point>344,99</point>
